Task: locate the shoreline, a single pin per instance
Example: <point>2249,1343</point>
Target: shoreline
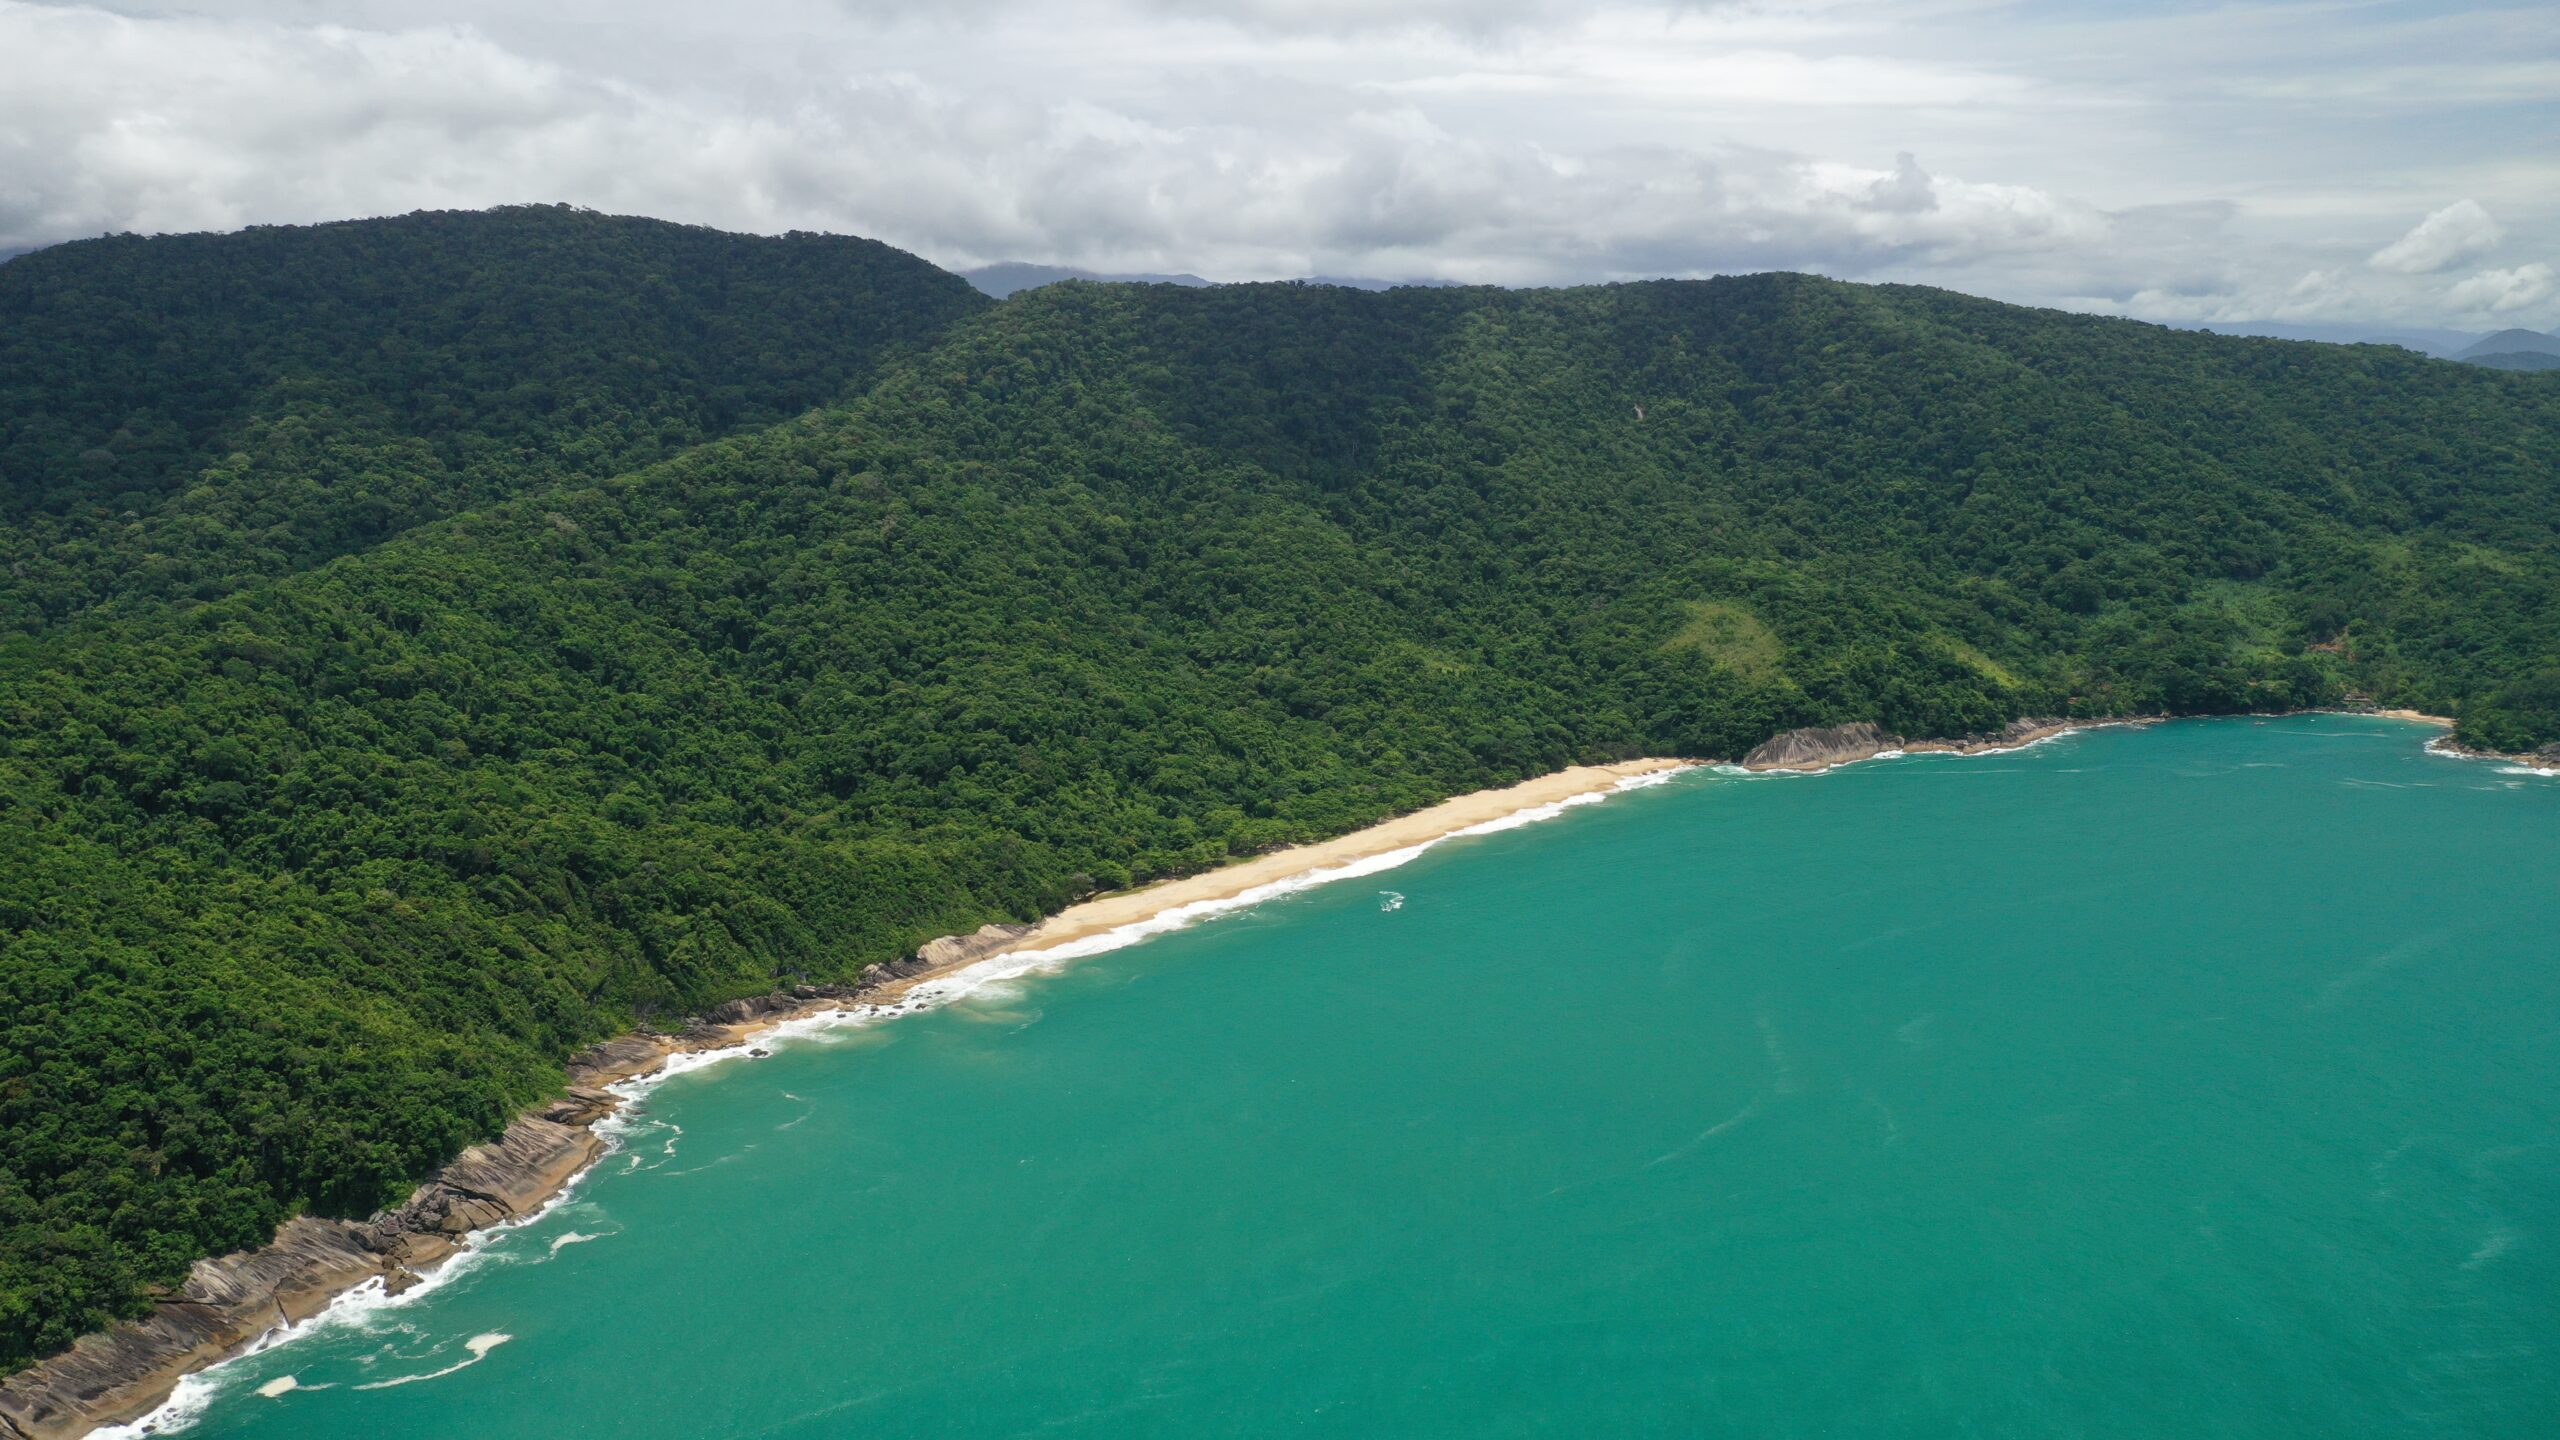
<point>235,1305</point>
<point>1820,749</point>
<point>130,1374</point>
<point>2545,761</point>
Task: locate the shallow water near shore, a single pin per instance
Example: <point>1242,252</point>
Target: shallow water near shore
<point>2201,1080</point>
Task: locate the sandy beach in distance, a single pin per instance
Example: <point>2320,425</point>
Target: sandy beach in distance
<point>1129,907</point>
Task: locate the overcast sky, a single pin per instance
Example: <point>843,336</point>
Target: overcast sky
<point>2298,160</point>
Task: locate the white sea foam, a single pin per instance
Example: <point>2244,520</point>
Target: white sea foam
<point>284,1385</point>
<point>363,1307</point>
<point>478,1345</point>
<point>2064,733</point>
<point>1987,750</point>
<point>2442,747</point>
<point>2499,1242</point>
<point>184,1407</point>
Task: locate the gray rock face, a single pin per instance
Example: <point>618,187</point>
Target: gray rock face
<point>1820,745</point>
<point>226,1301</point>
<point>619,1058</point>
<point>961,949</point>
<point>231,1299</point>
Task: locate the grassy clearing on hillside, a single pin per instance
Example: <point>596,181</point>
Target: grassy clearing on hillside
<point>1732,637</point>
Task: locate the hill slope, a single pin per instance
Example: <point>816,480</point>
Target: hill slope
<point>305,886</point>
<point>2511,342</point>
<point>181,414</point>
<point>2518,360</point>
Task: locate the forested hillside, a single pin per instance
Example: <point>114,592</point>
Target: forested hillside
<point>306,883</point>
<point>181,414</point>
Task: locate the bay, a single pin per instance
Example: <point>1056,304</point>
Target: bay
<point>2200,1080</point>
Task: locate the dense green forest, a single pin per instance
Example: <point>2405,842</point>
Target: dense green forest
<point>311,873</point>
<point>183,414</point>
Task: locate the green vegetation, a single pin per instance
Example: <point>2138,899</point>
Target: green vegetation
<point>1734,638</point>
<point>310,874</point>
<point>179,416</point>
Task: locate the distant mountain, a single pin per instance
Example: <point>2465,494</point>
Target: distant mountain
<point>1012,277</point>
<point>2517,360</point>
<point>2505,350</point>
<point>1371,282</point>
<point>2442,344</point>
<point>2511,342</point>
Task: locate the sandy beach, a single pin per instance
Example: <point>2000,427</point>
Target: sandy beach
<point>1124,908</point>
<point>1129,907</point>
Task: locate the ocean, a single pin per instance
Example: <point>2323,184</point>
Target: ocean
<point>2197,1080</point>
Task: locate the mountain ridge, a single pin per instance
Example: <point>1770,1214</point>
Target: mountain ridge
<point>2511,342</point>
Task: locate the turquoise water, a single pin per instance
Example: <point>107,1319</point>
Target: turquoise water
<point>2197,1081</point>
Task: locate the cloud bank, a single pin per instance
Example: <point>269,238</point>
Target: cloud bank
<point>2459,231</point>
<point>2032,155</point>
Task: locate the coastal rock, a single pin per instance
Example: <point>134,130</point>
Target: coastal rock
<point>226,1301</point>
<point>231,1299</point>
<point>953,950</point>
<point>1817,746</point>
<point>525,1167</point>
<point>582,1105</point>
<point>738,1012</point>
<point>619,1058</point>
<point>2032,727</point>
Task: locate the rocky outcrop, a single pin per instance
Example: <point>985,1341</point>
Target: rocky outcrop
<point>1820,747</point>
<point>2545,757</point>
<point>619,1058</point>
<point>230,1300</point>
<point>1817,746</point>
<point>489,1184</point>
<point>953,950</point>
<point>227,1301</point>
<point>2009,736</point>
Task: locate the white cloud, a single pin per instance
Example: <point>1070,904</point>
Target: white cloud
<point>2501,292</point>
<point>185,123</point>
<point>2460,231</point>
<point>2045,154</point>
